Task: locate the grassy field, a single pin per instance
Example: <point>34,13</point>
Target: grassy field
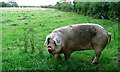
<point>24,29</point>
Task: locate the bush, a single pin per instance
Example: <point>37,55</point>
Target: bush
<point>100,10</point>
<point>65,6</point>
<point>47,6</point>
<point>114,10</point>
<point>82,8</point>
<point>57,6</point>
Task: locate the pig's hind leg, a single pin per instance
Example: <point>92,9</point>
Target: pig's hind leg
<point>97,55</point>
<point>98,48</point>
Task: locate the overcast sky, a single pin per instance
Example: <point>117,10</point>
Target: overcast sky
<point>48,2</point>
<point>33,2</point>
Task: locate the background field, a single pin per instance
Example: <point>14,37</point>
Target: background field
<point>20,26</point>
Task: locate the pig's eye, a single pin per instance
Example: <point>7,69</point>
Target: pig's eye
<point>48,40</point>
<point>55,43</point>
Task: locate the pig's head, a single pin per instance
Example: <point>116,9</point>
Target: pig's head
<point>54,43</point>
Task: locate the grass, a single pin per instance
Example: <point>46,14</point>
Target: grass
<point>19,26</point>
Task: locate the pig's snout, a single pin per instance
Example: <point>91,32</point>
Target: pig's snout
<point>49,49</point>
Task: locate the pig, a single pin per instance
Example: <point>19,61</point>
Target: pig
<point>77,37</point>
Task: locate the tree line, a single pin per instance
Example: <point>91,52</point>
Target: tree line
<point>100,10</point>
<point>9,4</point>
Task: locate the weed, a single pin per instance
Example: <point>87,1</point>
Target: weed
<point>29,38</point>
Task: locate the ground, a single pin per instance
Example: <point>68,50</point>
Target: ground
<point>26,28</point>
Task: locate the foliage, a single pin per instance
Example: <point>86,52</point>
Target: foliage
<point>100,10</point>
<point>21,25</point>
<point>47,6</point>
<point>10,4</point>
<point>57,6</point>
<point>2,4</point>
<point>65,6</point>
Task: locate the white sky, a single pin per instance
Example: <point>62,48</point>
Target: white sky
<point>47,2</point>
<point>33,2</point>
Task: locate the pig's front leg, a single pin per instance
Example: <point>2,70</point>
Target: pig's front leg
<point>57,56</point>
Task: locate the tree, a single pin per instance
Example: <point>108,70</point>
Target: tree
<point>10,4</point>
<point>13,4</point>
<point>2,4</point>
<point>57,6</point>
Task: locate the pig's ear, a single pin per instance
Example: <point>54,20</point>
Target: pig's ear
<point>47,40</point>
<point>57,40</point>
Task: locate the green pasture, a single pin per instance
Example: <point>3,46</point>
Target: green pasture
<point>24,29</point>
